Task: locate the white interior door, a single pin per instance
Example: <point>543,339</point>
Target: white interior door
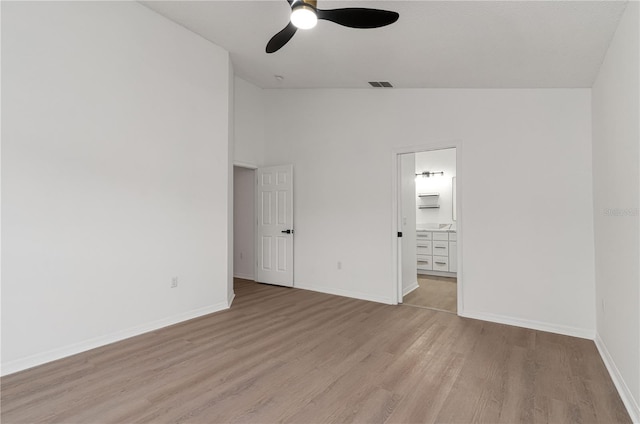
<point>274,225</point>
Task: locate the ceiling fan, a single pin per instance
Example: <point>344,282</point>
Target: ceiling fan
<point>305,15</point>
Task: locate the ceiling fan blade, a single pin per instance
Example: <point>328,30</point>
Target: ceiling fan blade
<point>359,17</point>
<point>281,38</point>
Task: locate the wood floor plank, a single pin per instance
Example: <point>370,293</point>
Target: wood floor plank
<point>435,292</point>
<point>289,355</point>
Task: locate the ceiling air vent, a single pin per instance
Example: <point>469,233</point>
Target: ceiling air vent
<point>380,84</point>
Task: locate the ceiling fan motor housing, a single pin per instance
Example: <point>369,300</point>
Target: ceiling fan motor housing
<point>312,3</point>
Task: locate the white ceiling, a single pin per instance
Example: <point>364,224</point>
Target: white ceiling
<point>434,44</point>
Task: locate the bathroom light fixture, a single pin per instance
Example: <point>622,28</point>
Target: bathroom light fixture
<point>304,16</point>
<point>429,174</point>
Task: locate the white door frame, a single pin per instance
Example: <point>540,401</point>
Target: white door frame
<point>396,242</point>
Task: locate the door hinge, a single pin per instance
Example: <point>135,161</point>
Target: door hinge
<point>399,233</point>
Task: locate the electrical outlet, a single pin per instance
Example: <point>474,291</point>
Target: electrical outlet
<point>339,265</point>
<point>174,282</point>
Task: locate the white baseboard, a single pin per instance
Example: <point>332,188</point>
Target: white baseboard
<point>243,276</point>
<point>438,273</point>
<point>230,300</point>
<point>55,354</point>
<point>625,394</point>
<point>582,333</point>
<point>345,293</point>
<point>411,288</point>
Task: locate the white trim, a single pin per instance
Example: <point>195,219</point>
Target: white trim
<point>244,276</point>
<point>230,300</point>
<point>73,349</point>
<point>346,293</point>
<point>625,393</point>
<point>396,292</point>
<point>244,165</point>
<point>396,242</point>
<point>566,330</point>
<point>411,288</point>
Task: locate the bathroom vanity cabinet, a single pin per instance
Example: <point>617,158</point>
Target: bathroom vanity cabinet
<point>437,252</point>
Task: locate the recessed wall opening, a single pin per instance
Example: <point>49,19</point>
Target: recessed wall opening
<point>243,220</point>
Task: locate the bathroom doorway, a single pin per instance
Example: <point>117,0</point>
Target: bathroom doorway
<point>428,250</point>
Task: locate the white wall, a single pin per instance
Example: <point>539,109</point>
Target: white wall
<point>249,124</point>
<point>408,208</point>
<point>616,185</point>
<point>249,148</point>
<point>243,223</point>
<point>524,181</point>
<point>115,165</point>
<point>435,161</point>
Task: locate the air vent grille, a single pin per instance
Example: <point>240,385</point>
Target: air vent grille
<point>380,84</point>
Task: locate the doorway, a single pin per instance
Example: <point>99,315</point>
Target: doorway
<point>243,222</point>
<point>263,224</point>
<point>429,262</point>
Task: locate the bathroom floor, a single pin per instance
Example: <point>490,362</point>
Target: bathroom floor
<point>435,293</point>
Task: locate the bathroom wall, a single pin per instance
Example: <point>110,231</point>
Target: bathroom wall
<point>436,161</point>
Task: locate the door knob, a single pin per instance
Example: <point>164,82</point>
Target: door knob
<point>287,231</point>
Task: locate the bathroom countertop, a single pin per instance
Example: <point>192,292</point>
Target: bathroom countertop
<point>442,228</point>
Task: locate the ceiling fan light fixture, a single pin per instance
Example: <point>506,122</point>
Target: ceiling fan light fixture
<point>304,16</point>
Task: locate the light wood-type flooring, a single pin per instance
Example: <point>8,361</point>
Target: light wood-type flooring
<point>434,292</point>
<point>289,355</point>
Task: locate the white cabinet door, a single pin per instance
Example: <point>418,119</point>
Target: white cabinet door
<point>424,248</point>
<point>439,235</point>
<point>274,225</point>
<point>440,248</point>
<point>441,263</point>
<point>425,263</point>
<point>423,235</point>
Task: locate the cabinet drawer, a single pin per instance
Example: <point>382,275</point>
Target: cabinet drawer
<point>423,235</point>
<point>440,248</point>
<point>453,236</point>
<point>425,263</point>
<point>440,263</point>
<point>441,236</point>
<point>424,248</point>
